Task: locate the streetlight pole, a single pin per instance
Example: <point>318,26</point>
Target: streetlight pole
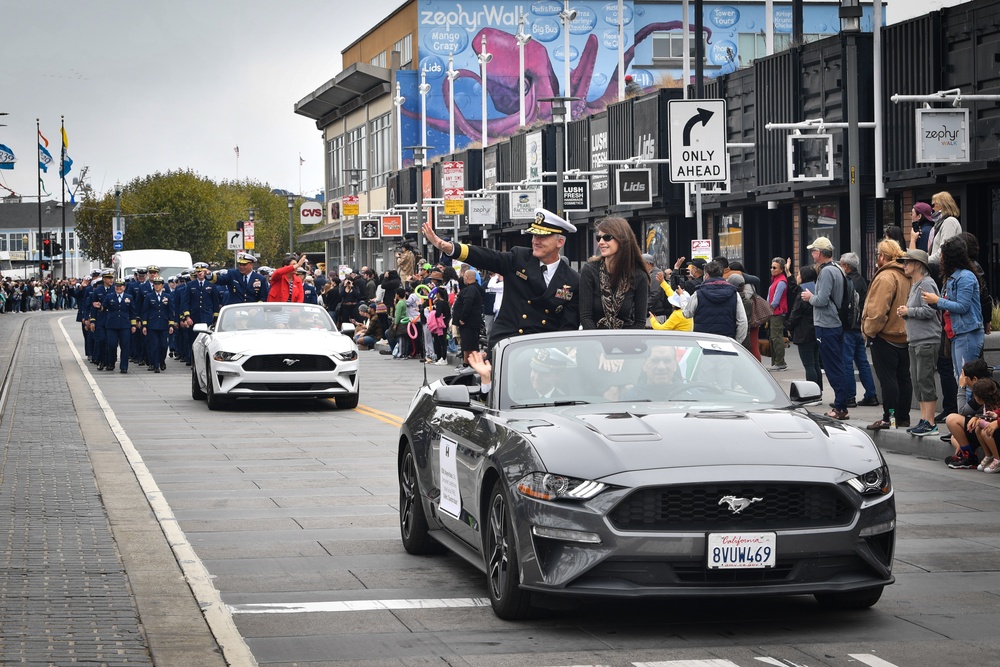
<point>291,238</point>
<point>850,25</point>
<point>418,162</point>
<point>24,248</point>
<point>452,74</point>
<point>355,175</point>
<point>522,39</point>
<point>484,59</point>
<point>118,210</point>
<point>424,89</point>
<point>398,100</point>
<point>559,107</point>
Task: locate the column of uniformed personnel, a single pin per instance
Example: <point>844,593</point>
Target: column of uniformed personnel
<point>157,318</point>
<point>182,341</point>
<point>136,287</point>
<point>120,323</point>
<point>81,294</point>
<point>98,317</point>
<point>200,303</point>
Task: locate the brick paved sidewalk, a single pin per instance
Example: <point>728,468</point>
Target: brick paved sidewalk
<point>69,542</point>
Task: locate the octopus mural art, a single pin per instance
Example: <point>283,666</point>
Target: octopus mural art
<point>541,81</point>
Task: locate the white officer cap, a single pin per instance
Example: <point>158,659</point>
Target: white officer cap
<point>546,222</point>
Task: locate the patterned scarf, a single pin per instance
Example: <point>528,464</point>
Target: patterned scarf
<point>611,300</point>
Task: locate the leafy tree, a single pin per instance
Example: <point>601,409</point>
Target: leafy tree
<point>181,210</point>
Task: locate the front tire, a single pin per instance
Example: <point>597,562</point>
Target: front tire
<point>215,402</point>
<point>413,528</point>
<point>509,601</point>
<point>196,392</point>
<point>346,402</point>
<point>852,600</point>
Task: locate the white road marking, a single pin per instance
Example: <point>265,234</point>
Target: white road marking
<point>870,660</point>
<point>714,662</point>
<point>355,605</point>
<point>234,648</point>
<point>779,662</point>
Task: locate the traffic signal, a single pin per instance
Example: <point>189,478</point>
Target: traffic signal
<point>56,248</point>
<point>44,266</point>
<point>47,246</point>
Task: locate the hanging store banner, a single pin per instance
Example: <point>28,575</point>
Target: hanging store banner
<point>646,129</point>
<point>599,185</point>
<point>453,187</point>
<point>483,211</point>
<point>523,204</point>
<point>576,195</point>
<point>633,187</point>
<point>392,225</point>
<point>368,229</point>
<point>942,135</point>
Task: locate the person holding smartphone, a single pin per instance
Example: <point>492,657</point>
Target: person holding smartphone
<point>921,217</point>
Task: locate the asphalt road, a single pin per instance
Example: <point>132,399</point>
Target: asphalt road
<point>291,510</point>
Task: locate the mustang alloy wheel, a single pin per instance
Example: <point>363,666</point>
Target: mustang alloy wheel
<point>215,402</point>
<point>412,521</point>
<point>196,392</point>
<point>502,569</point>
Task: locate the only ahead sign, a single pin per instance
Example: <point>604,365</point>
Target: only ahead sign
<point>698,141</point>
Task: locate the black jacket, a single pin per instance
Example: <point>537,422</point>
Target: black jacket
<point>529,306</point>
<point>633,309</point>
<point>468,310</point>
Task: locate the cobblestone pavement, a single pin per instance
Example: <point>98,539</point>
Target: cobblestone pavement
<point>65,597</point>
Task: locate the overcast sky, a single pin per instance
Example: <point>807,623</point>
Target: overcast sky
<point>156,85</point>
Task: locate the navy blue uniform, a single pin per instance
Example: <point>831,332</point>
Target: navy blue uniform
<point>98,318</point>
<point>309,293</point>
<point>242,289</point>
<point>201,303</point>
<point>157,318</point>
<point>120,317</point>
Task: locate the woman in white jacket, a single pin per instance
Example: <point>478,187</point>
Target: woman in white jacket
<point>946,224</point>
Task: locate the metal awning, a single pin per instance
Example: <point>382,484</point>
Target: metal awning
<point>328,232</point>
<point>343,93</point>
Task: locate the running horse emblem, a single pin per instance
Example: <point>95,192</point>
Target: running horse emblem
<point>737,505</point>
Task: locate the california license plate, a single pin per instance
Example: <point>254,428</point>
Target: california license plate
<point>740,550</point>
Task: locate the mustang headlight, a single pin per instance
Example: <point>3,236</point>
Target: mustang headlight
<point>546,486</point>
<point>350,355</point>
<point>873,483</point>
<point>227,356</point>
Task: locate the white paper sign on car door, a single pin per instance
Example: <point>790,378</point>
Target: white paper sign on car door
<point>451,498</point>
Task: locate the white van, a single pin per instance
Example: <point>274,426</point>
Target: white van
<point>171,262</point>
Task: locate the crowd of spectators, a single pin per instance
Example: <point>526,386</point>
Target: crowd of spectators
<point>21,296</point>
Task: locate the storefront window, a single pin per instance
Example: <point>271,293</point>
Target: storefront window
<point>823,219</point>
<point>657,244</point>
<point>731,236</point>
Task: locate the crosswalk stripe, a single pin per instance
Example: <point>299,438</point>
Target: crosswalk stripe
<point>871,660</point>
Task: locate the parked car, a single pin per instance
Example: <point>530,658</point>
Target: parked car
<point>643,464</point>
<point>286,350</point>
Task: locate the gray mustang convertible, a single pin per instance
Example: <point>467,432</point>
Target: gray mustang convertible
<point>643,464</point>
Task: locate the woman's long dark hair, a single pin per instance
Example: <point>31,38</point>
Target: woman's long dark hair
<point>808,274</point>
<point>955,256</point>
<point>628,259</point>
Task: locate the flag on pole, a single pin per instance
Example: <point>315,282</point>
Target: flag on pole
<point>236,149</point>
<point>42,189</point>
<point>7,158</point>
<point>67,162</point>
<point>301,161</point>
<point>42,137</point>
<point>44,158</point>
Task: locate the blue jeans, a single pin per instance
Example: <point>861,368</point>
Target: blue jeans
<point>856,355</point>
<point>966,347</point>
<point>831,351</point>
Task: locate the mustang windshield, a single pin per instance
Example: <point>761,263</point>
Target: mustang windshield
<point>256,317</point>
<point>605,368</point>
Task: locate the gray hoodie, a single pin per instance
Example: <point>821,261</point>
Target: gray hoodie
<point>829,292</point>
<point>923,324</point>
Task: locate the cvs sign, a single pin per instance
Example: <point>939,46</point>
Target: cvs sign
<point>311,213</point>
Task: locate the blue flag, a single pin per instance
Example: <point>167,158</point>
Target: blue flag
<point>67,164</point>
<point>7,158</point>
<point>44,158</point>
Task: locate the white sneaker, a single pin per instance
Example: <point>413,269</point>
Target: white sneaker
<point>984,464</point>
<point>441,362</point>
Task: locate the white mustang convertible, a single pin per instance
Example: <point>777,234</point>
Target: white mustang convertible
<point>289,350</point>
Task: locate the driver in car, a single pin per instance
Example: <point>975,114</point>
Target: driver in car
<point>660,374</point>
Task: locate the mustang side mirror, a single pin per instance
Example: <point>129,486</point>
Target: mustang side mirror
<point>453,396</point>
<point>347,329</point>
<point>201,327</point>
<point>804,393</point>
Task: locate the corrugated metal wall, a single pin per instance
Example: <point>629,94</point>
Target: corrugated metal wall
<point>777,82</point>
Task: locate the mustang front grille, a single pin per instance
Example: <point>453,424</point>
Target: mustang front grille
<point>285,386</point>
<point>295,363</point>
<point>715,507</point>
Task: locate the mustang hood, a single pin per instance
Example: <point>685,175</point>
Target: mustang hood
<point>279,341</point>
<point>588,444</point>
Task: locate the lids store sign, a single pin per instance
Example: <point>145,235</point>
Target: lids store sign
<point>634,187</point>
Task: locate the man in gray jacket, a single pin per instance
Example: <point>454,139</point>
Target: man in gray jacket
<point>829,332</point>
<point>923,333</point>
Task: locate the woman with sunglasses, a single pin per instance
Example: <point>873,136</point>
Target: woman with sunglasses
<point>614,285</point>
<point>946,224</point>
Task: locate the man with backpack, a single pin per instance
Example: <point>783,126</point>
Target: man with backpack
<point>882,324</point>
<point>831,303</point>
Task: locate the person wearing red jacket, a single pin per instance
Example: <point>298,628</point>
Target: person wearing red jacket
<point>285,284</point>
